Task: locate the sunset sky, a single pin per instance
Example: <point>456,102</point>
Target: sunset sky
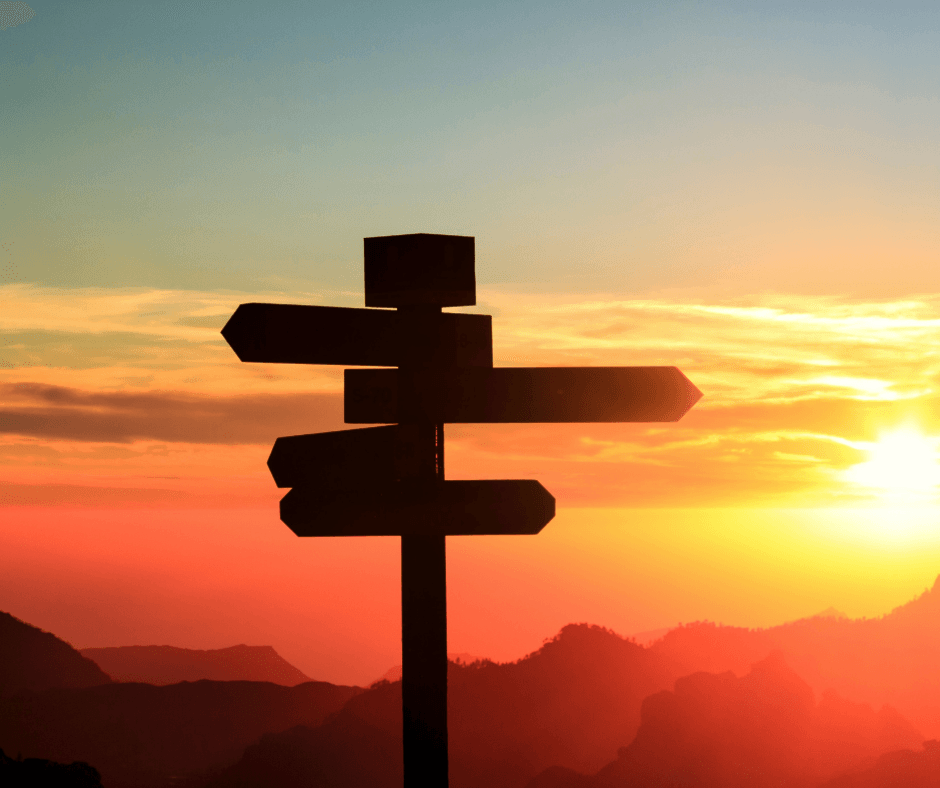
<point>750,195</point>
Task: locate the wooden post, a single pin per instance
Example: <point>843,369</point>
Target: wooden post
<point>424,661</point>
<point>424,625</point>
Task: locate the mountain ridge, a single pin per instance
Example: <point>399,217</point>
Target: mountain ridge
<point>849,656</point>
<point>33,659</point>
<point>164,665</point>
<point>761,730</point>
<point>143,735</point>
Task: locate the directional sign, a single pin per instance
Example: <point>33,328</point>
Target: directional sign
<point>346,459</point>
<point>517,394</point>
<point>296,334</point>
<point>452,508</point>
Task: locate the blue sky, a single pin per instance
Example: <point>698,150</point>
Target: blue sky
<point>590,147</point>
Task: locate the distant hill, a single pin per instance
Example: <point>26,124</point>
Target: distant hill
<point>591,710</point>
<point>31,659</point>
<point>140,735</point>
<point>573,702</point>
<point>889,660</point>
<point>161,665</point>
<point>761,730</point>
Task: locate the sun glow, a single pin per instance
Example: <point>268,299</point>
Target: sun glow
<point>901,464</point>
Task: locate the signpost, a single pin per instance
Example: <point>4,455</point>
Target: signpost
<point>389,480</point>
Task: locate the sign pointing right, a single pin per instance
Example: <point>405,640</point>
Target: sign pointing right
<point>517,394</point>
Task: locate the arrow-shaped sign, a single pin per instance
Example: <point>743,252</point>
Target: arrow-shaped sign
<point>452,508</point>
<point>346,459</point>
<point>518,394</point>
<point>298,334</point>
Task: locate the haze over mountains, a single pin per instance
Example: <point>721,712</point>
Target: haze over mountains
<point>559,719</point>
<point>892,659</point>
<point>58,705</point>
<point>760,730</point>
<point>825,701</point>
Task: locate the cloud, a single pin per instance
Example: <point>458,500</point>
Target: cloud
<point>85,495</point>
<point>13,14</point>
<point>139,338</point>
<point>764,348</point>
<point>793,387</point>
<point>121,497</point>
<point>64,413</point>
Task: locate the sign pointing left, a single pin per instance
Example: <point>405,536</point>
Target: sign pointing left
<point>299,334</point>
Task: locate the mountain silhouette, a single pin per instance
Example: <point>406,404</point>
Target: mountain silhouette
<point>161,665</point>
<point>361,745</point>
<point>704,705</point>
<point>31,659</point>
<point>761,730</point>
<point>141,735</point>
<point>33,772</point>
<point>888,660</point>
<point>573,702</point>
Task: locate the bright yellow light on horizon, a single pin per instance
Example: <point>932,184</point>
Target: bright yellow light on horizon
<point>901,465</point>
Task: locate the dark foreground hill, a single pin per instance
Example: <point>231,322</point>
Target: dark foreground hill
<point>161,665</point>
<point>31,659</point>
<point>762,730</point>
<point>141,735</point>
<point>38,772</point>
<point>889,660</point>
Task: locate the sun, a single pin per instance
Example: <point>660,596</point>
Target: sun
<point>900,464</point>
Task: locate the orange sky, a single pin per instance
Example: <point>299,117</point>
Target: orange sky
<point>140,509</point>
<point>745,191</point>
<point>136,390</point>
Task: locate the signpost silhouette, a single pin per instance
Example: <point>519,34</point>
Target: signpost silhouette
<point>389,480</point>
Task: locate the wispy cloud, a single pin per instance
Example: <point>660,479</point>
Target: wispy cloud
<point>795,389</point>
<point>778,348</point>
<point>137,338</point>
<point>59,412</point>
